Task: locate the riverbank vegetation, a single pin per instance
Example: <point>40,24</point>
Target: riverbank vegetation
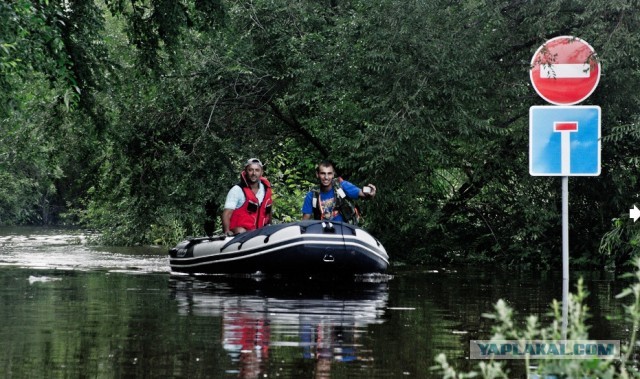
<point>620,362</point>
<point>131,117</point>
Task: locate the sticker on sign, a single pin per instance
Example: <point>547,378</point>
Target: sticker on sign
<point>565,71</point>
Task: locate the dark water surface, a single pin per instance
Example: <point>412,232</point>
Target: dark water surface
<point>69,310</point>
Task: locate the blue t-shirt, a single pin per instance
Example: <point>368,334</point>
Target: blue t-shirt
<point>328,200</point>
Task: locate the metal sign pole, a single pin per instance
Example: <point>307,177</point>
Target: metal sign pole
<point>565,254</point>
<point>564,72</point>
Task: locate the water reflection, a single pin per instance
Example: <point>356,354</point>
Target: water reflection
<point>73,310</point>
<point>319,321</point>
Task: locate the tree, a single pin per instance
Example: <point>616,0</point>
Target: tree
<point>427,99</point>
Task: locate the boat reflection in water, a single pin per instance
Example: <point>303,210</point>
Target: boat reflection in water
<point>267,322</point>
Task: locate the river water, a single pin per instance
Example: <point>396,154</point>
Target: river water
<point>73,310</point>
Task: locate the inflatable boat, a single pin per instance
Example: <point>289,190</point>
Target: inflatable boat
<point>300,248</point>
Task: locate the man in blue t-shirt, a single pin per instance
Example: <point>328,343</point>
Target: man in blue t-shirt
<point>328,202</point>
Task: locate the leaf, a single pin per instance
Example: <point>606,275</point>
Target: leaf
<point>624,293</point>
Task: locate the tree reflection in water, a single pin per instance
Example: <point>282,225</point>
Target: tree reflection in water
<point>274,322</point>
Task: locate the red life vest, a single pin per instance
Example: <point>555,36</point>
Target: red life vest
<point>252,215</point>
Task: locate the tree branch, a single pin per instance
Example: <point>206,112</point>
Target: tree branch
<point>291,122</point>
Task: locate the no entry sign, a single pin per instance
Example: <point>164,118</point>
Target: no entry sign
<point>565,71</point>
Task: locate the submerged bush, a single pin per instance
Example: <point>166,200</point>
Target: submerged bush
<point>576,329</point>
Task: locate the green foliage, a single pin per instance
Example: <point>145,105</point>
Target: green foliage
<point>290,184</point>
<point>632,311</point>
<point>508,328</point>
<point>152,104</point>
<point>621,242</point>
<point>31,162</point>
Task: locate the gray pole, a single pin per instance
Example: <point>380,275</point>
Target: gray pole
<point>565,254</point>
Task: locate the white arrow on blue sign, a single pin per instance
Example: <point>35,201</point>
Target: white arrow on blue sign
<point>564,140</point>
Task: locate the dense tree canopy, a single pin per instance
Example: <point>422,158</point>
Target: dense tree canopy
<point>133,116</point>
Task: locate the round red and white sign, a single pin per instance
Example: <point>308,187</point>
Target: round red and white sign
<point>565,70</point>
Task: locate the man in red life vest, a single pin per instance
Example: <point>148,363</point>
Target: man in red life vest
<point>248,204</point>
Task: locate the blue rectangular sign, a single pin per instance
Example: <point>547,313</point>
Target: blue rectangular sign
<point>564,140</point>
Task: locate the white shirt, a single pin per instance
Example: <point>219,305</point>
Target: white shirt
<point>235,197</point>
